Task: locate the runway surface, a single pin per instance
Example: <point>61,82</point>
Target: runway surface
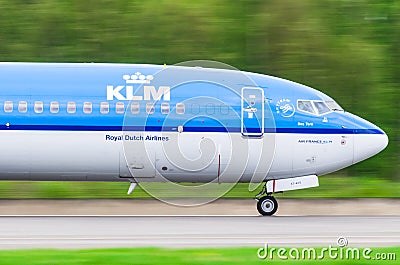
<point>290,207</point>
<point>196,231</point>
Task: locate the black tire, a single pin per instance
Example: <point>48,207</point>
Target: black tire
<point>267,205</point>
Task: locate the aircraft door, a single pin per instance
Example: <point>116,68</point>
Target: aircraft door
<point>252,114</point>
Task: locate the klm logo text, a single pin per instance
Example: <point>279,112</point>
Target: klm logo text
<point>149,92</point>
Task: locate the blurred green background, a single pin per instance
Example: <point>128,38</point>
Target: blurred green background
<point>347,49</point>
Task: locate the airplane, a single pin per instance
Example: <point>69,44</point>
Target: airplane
<point>142,123</point>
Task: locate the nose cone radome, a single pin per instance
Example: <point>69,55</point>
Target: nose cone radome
<point>369,144</point>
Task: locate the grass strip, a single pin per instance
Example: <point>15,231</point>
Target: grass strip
<point>164,256</point>
<point>331,186</point>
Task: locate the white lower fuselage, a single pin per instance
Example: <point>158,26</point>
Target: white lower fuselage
<point>226,157</point>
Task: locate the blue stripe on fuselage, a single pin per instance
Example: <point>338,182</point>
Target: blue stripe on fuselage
<point>81,128</point>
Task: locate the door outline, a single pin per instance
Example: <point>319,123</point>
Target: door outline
<point>253,110</point>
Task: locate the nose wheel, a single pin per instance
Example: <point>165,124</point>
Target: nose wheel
<point>267,205</point>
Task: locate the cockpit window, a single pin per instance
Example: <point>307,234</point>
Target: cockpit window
<point>306,106</point>
<point>333,105</point>
<point>318,107</point>
<point>321,107</point>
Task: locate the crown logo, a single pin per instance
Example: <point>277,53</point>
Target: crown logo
<point>137,78</point>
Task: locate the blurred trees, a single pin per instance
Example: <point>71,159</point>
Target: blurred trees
<point>347,49</point>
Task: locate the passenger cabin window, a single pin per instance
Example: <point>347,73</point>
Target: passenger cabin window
<point>135,107</point>
<point>224,109</point>
<point>71,107</point>
<point>321,107</point>
<point>120,107</point>
<point>38,107</point>
<point>104,107</point>
<point>180,108</point>
<point>22,106</point>
<point>87,107</point>
<point>195,108</point>
<point>210,109</point>
<point>306,106</point>
<point>8,106</point>
<point>54,107</point>
<point>164,108</point>
<point>149,108</point>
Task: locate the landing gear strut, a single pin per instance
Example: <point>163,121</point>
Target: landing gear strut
<point>266,203</point>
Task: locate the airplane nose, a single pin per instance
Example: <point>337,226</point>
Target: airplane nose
<point>367,145</point>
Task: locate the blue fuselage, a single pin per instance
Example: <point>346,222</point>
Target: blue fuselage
<point>79,83</point>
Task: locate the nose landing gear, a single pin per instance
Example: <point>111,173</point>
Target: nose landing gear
<point>267,205</point>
